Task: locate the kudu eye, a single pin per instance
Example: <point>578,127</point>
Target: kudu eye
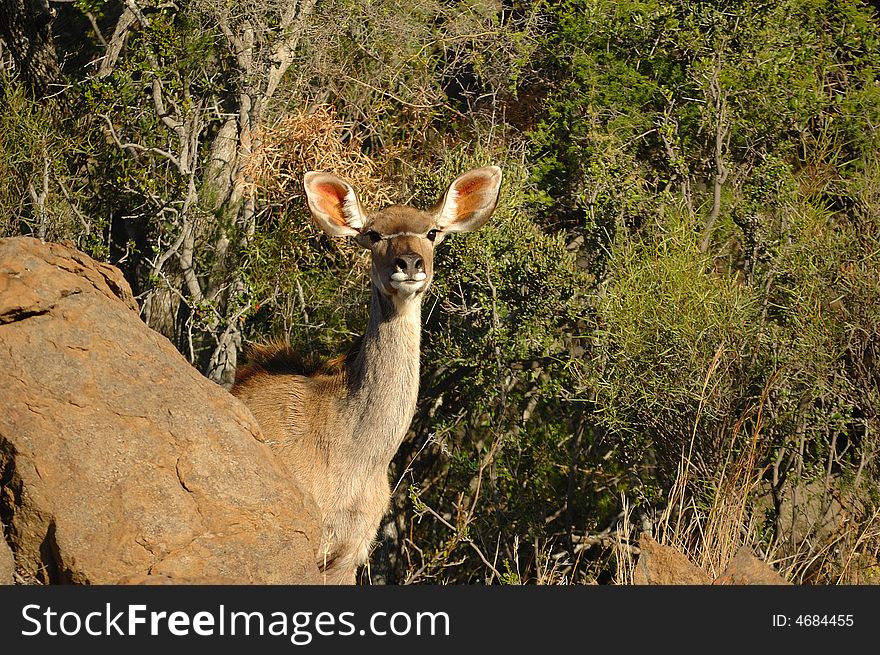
<point>374,236</point>
<point>432,234</point>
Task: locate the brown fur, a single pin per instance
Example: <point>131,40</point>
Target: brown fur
<point>279,358</point>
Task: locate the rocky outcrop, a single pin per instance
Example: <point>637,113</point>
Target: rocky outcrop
<point>664,565</point>
<point>118,461</point>
<point>7,564</point>
<point>746,569</point>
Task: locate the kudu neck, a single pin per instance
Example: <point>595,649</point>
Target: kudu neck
<point>384,311</point>
<point>384,377</point>
<point>390,345</point>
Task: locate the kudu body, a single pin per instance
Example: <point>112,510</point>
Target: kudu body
<point>338,427</point>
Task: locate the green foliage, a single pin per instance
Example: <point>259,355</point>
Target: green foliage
<point>645,87</point>
<point>42,173</point>
<point>306,288</point>
<point>408,72</point>
<point>504,281</point>
<point>675,336</point>
<point>714,158</point>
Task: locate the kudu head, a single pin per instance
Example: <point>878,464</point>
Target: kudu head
<point>400,238</point>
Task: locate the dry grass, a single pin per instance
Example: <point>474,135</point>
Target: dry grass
<point>313,140</point>
<point>624,560</point>
<point>824,547</point>
<point>710,534</point>
<point>845,554</point>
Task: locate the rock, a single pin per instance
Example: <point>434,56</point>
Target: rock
<point>118,460</point>
<point>153,580</point>
<point>746,569</point>
<point>662,565</point>
<point>7,562</point>
<point>813,514</point>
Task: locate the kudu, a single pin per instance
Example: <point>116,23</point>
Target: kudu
<point>338,426</point>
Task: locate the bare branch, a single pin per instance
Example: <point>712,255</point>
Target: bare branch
<point>161,111</point>
<point>94,23</point>
<point>39,200</point>
<point>722,137</point>
<point>137,147</point>
<point>117,42</point>
<point>133,7</point>
<point>460,536</point>
<point>85,220</point>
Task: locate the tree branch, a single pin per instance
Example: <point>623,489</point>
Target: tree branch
<point>137,147</point>
<point>722,136</point>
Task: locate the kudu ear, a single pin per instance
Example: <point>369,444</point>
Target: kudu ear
<point>470,200</point>
<point>334,204</point>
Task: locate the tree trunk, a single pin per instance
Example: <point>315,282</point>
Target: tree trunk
<point>26,32</point>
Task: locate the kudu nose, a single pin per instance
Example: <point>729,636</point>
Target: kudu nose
<point>409,264</point>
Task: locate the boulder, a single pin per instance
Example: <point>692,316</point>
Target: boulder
<point>118,460</point>
<point>156,580</point>
<point>662,565</point>
<point>746,569</point>
<point>7,563</point>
